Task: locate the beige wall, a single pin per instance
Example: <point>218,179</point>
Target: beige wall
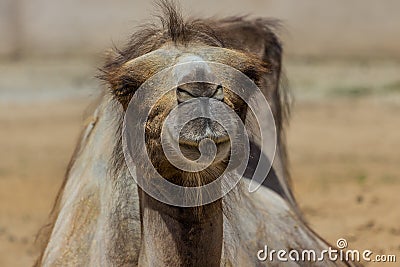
<point>314,27</point>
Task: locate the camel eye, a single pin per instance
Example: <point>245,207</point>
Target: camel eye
<point>127,87</point>
<point>252,74</point>
<point>123,91</point>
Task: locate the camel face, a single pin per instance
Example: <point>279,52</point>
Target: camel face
<point>194,85</point>
<point>198,135</point>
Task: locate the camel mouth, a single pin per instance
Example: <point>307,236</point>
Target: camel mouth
<point>191,148</point>
<point>190,139</point>
<point>217,140</point>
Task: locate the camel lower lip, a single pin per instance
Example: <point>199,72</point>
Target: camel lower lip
<point>195,143</point>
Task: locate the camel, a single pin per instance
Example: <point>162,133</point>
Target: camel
<point>101,217</point>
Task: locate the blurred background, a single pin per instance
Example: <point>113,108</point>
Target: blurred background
<point>342,60</point>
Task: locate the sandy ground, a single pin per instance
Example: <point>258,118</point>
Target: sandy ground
<point>344,154</point>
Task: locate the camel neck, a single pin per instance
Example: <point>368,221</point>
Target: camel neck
<point>176,236</point>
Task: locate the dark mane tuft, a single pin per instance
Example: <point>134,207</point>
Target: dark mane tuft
<point>172,21</point>
<point>172,27</point>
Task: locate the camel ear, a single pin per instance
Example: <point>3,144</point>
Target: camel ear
<point>257,37</point>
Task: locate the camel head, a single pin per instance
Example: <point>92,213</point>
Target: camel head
<point>192,78</point>
<point>179,65</point>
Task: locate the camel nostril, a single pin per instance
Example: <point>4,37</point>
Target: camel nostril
<point>183,95</point>
<point>219,93</point>
<point>186,92</point>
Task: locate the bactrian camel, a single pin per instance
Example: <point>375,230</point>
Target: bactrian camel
<point>102,218</point>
